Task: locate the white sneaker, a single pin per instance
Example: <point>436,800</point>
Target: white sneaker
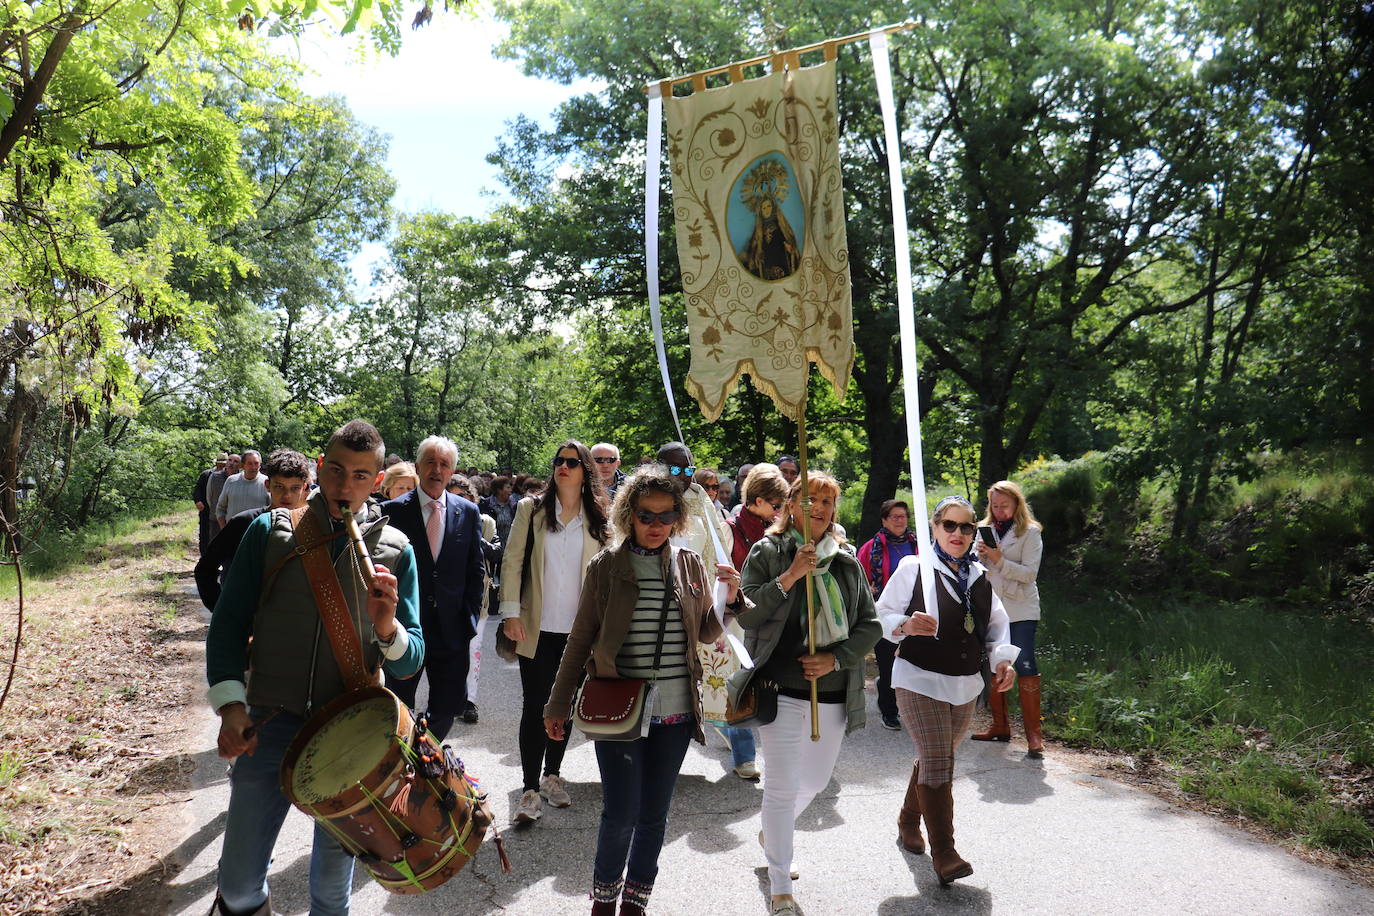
<point>747,770</point>
<point>529,809</point>
<point>555,790</point>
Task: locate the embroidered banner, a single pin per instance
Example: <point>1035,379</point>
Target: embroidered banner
<point>760,236</point>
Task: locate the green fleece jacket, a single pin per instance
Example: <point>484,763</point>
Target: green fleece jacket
<point>764,622</point>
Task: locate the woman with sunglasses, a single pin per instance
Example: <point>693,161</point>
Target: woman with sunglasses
<point>937,672</point>
<point>645,605</point>
<point>775,579</point>
<point>553,538</point>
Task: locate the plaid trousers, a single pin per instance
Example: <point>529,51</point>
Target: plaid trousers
<point>936,728</point>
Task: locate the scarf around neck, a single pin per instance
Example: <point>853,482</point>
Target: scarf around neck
<point>876,558</point>
<point>832,622</point>
<point>963,568</point>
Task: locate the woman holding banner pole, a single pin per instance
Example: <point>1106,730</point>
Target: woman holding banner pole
<point>776,577</point>
<point>937,672</point>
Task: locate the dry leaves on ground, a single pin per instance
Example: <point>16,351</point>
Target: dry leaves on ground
<point>92,737</point>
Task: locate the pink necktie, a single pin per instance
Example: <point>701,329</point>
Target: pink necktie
<point>435,527</point>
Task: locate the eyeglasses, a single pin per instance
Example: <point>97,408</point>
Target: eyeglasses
<point>560,461</point>
<point>663,518</point>
<point>604,460</point>
<point>964,528</point>
<point>685,472</point>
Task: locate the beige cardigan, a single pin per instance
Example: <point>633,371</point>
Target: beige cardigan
<point>529,607</point>
<point>1014,578</point>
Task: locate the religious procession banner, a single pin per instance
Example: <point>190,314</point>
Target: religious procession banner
<point>757,200</point>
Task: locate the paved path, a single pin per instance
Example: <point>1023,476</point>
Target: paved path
<point>1042,836</point>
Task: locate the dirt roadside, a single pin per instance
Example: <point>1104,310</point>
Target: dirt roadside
<point>94,766</point>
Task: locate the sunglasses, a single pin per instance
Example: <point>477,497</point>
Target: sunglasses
<point>604,460</point>
<point>560,461</point>
<point>964,528</point>
<point>685,472</point>
<point>663,518</point>
<point>710,486</point>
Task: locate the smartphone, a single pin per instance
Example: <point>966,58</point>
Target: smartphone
<point>985,532</point>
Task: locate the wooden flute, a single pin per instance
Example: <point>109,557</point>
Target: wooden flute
<point>355,537</point>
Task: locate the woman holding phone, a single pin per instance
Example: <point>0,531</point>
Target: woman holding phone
<point>937,672</point>
<point>1010,547</point>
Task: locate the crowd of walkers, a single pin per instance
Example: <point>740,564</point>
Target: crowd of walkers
<point>657,577</point>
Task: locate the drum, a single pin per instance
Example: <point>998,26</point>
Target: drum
<point>405,808</point>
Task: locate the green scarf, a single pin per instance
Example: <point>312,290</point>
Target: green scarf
<point>832,623</point>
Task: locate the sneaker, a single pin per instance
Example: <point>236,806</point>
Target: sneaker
<point>892,723</point>
<point>555,790</point>
<point>530,808</point>
<point>747,770</point>
<point>470,714</point>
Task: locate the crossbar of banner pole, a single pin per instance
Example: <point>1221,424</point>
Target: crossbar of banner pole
<point>736,69</point>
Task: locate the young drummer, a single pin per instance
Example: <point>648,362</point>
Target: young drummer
<point>290,666</point>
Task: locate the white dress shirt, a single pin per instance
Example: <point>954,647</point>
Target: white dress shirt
<point>955,689</point>
<point>562,582</point>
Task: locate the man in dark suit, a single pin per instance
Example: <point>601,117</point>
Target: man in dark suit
<point>445,530</point>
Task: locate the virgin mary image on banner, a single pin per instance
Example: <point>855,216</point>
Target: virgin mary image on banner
<point>771,250</point>
<point>760,235</point>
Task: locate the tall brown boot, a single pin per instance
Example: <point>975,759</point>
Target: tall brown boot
<point>1000,730</point>
<point>909,820</point>
<point>1030,715</point>
<point>937,809</point>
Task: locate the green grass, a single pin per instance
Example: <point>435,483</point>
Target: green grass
<point>55,551</point>
<point>1249,701</point>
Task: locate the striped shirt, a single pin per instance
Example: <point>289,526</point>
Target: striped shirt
<point>636,656</point>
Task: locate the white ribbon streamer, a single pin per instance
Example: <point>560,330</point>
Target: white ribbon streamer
<point>906,312</point>
<point>652,176</point>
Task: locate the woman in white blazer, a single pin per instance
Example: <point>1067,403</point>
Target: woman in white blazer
<point>553,538</point>
<point>1012,568</point>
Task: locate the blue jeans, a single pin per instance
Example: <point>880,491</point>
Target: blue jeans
<point>1023,638</point>
<point>637,782</point>
<point>256,811</point>
<point>741,744</point>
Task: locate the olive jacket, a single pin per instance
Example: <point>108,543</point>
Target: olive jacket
<point>763,623</point>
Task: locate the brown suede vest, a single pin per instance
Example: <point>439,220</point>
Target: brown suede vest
<point>953,650</point>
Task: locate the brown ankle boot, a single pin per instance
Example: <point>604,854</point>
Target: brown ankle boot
<point>1000,730</point>
<point>1030,716</point>
<point>937,809</point>
<point>909,820</point>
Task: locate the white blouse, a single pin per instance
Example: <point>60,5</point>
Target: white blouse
<point>955,689</point>
<point>562,582</point>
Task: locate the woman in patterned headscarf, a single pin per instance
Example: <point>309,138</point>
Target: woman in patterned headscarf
<point>937,673</point>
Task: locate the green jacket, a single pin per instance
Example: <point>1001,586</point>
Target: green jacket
<point>763,623</point>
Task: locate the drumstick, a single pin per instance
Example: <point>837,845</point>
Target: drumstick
<point>251,731</point>
<point>355,535</point>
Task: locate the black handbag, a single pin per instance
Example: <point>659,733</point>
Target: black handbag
<point>758,704</point>
<point>505,646</point>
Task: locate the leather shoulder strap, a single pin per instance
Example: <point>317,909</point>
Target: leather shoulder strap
<point>329,600</point>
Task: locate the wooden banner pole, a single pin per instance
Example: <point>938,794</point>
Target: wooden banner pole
<point>805,504</point>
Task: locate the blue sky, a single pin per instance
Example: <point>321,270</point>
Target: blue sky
<point>444,99</point>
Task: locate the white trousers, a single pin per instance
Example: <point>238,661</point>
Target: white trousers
<point>797,770</point>
<point>475,659</point>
